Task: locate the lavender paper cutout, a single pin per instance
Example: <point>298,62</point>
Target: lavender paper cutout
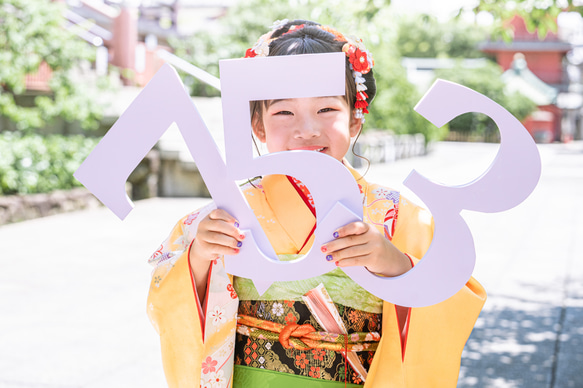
<point>334,208</point>
<point>512,176</point>
<point>439,275</point>
<point>164,101</point>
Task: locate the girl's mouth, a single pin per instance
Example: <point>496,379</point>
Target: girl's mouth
<point>310,148</point>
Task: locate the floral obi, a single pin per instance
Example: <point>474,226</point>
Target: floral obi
<point>284,336</point>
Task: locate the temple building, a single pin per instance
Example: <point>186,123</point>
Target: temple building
<point>537,69</point>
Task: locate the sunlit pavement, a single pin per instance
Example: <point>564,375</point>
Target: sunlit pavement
<point>73,286</point>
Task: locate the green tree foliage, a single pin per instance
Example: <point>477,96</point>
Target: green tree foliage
<point>244,23</point>
<point>486,80</point>
<point>423,36</point>
<point>396,97</point>
<point>36,164</point>
<point>31,32</point>
<point>539,15</point>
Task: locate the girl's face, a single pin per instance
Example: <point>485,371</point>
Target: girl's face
<point>322,124</point>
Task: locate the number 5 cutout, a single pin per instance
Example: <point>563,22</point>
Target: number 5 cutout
<point>317,171</point>
<point>512,176</point>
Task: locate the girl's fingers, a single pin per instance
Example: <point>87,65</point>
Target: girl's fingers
<point>343,243</point>
<point>220,214</point>
<point>348,235</point>
<point>352,262</point>
<point>349,252</point>
<point>216,245</point>
<point>221,228</point>
<point>218,238</point>
<point>222,250</point>
<point>213,251</point>
<point>354,228</point>
<point>219,221</point>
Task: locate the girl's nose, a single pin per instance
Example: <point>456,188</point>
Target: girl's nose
<point>307,129</point>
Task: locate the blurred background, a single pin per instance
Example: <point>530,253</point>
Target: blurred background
<point>70,68</point>
<point>73,282</point>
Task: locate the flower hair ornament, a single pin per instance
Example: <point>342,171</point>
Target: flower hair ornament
<point>360,59</point>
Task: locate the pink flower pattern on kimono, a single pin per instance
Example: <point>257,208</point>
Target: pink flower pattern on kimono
<point>218,316</point>
<point>209,365</point>
<point>191,217</point>
<point>380,193</point>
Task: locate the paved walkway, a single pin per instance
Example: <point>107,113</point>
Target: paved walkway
<point>73,286</point>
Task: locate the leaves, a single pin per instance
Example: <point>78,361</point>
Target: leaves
<point>31,32</point>
<point>422,36</point>
<point>539,15</point>
<point>35,164</point>
<point>486,80</point>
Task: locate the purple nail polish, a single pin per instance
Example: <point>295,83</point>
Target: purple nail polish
<point>239,244</point>
<point>335,234</point>
<point>329,257</point>
<point>236,224</point>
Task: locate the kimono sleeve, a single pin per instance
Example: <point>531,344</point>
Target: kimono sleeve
<point>436,334</point>
<point>173,306</point>
<point>197,345</point>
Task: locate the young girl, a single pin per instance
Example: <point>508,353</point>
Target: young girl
<point>217,331</point>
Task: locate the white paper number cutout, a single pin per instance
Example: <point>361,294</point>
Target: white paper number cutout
<point>448,263</point>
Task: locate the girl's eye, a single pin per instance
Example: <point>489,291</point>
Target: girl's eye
<point>326,110</point>
<point>283,112</point>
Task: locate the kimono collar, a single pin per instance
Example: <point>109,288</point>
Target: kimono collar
<point>292,213</point>
<point>290,208</point>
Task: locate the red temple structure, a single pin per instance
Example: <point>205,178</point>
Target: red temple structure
<point>535,68</point>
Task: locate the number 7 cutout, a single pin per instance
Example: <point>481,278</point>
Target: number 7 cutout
<point>443,270</point>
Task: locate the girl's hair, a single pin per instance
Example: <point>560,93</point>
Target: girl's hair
<point>311,39</point>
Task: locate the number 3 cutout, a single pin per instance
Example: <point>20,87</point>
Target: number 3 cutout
<point>509,180</point>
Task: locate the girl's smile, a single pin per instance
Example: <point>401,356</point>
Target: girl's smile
<point>321,124</point>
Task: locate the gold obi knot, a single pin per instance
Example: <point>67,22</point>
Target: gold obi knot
<point>305,337</point>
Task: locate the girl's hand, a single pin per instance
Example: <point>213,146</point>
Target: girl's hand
<point>359,243</point>
<point>217,234</point>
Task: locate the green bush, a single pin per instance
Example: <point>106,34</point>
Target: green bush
<point>36,164</point>
<point>31,32</point>
<point>488,81</point>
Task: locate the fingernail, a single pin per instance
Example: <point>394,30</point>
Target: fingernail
<point>335,234</point>
<point>329,258</point>
<point>239,244</point>
<point>236,224</point>
<point>324,249</point>
<point>336,263</point>
<point>236,250</point>
<point>241,236</point>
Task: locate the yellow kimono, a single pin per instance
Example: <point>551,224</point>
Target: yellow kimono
<point>198,341</point>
